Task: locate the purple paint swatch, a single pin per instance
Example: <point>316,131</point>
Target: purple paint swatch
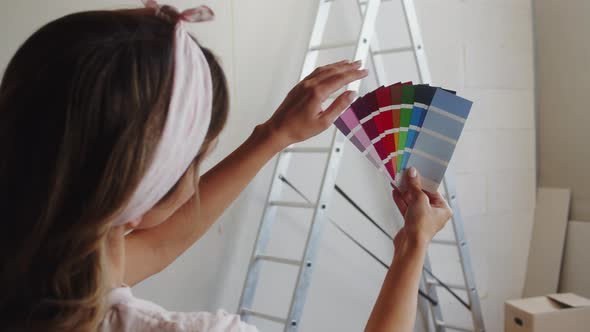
<point>360,139</point>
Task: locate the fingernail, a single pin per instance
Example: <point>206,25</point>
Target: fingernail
<point>357,62</point>
<point>413,172</point>
<point>351,95</point>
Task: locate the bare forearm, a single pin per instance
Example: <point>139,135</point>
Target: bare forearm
<point>395,309</point>
<point>424,215</point>
<point>218,188</point>
<point>299,117</point>
<point>221,185</point>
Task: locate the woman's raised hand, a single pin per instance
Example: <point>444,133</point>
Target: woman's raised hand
<point>424,213</point>
<point>300,116</point>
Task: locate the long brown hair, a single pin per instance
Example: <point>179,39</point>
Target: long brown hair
<point>82,106</point>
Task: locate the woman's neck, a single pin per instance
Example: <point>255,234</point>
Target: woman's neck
<point>116,256</point>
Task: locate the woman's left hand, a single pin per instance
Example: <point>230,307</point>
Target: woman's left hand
<point>300,115</point>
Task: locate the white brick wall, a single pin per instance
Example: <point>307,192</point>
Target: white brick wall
<point>495,158</point>
<point>481,48</point>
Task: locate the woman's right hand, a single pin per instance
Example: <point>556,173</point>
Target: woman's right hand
<point>300,116</point>
<point>425,213</point>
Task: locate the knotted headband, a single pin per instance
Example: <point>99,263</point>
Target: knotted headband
<point>189,114</point>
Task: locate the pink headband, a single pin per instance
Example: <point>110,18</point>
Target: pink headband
<point>188,117</point>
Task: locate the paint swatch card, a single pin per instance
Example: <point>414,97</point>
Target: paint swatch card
<point>396,102</point>
<point>423,94</point>
<point>373,126</point>
<point>403,125</point>
<point>438,137</point>
<point>404,121</point>
<point>385,126</point>
<point>350,126</point>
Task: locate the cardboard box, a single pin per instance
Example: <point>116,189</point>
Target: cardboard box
<point>565,312</point>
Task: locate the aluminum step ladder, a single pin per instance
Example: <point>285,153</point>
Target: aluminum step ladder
<point>365,46</point>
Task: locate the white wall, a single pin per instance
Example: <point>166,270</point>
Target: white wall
<point>481,48</point>
<point>563,55</point>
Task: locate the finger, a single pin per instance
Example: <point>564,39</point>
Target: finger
<point>338,106</point>
<point>335,69</point>
<point>399,201</point>
<point>436,199</point>
<point>433,197</point>
<point>413,179</point>
<point>408,197</point>
<point>393,186</point>
<point>444,215</point>
<point>337,81</point>
<point>415,184</point>
<point>338,63</point>
<point>323,69</point>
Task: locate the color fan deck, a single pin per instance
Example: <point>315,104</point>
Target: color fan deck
<point>403,125</point>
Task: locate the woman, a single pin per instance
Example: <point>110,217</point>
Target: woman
<point>105,117</point>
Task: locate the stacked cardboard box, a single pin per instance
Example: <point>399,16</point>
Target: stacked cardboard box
<point>565,312</point>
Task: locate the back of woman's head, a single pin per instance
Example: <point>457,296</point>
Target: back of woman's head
<point>82,106</point>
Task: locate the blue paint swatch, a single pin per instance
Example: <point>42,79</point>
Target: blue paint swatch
<point>423,95</point>
<point>428,168</point>
<point>443,125</point>
<point>435,144</point>
<point>451,103</point>
<point>423,98</point>
<point>435,147</point>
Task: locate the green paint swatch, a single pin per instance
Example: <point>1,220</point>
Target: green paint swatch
<point>404,123</point>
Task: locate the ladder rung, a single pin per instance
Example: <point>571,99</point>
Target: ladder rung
<point>293,204</point>
<point>453,327</point>
<point>279,260</point>
<point>453,286</point>
<point>330,46</point>
<point>307,150</point>
<point>263,316</point>
<point>444,242</point>
<point>393,50</point>
<point>362,2</point>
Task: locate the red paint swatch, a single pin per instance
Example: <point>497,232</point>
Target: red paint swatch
<point>373,109</point>
<point>367,108</point>
<point>384,123</point>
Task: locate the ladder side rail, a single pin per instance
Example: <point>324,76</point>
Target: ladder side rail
<point>317,34</point>
<point>281,167</point>
<point>424,77</point>
<point>417,42</point>
<point>314,234</point>
<point>425,306</point>
<point>365,44</point>
<point>328,182</point>
<point>364,38</point>
<point>436,311</point>
<point>463,249</point>
<point>376,61</point>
